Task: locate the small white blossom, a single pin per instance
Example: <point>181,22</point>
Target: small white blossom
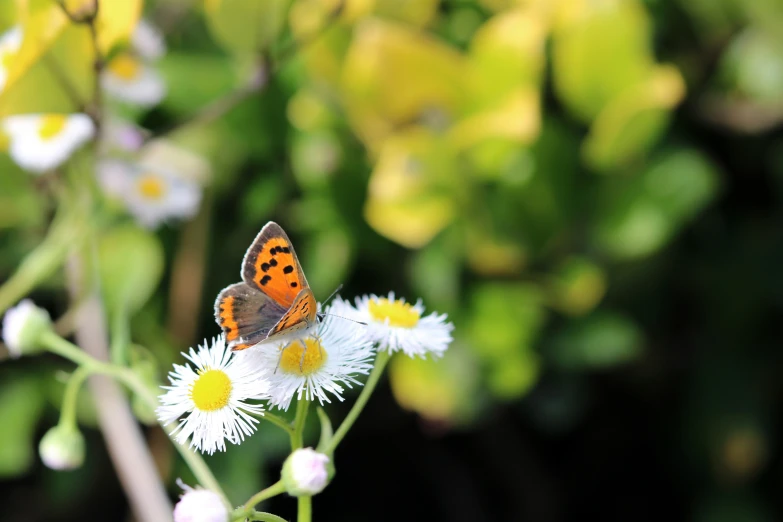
<point>200,505</point>
<point>152,194</point>
<point>305,472</point>
<point>22,325</point>
<point>316,365</point>
<point>130,80</point>
<point>210,401</point>
<point>41,142</point>
<point>62,448</point>
<point>147,41</point>
<point>399,326</point>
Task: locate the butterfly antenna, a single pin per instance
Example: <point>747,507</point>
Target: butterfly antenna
<point>346,318</point>
<point>339,287</point>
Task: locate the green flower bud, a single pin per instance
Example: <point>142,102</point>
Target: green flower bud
<point>62,448</point>
<point>23,326</point>
<point>306,472</point>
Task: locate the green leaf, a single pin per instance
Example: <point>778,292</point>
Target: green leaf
<point>601,340</point>
<point>131,265</point>
<point>637,216</point>
<point>245,26</point>
<point>21,401</point>
<point>326,429</point>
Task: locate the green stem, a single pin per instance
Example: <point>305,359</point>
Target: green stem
<point>372,381</point>
<point>68,411</point>
<point>297,437</point>
<point>120,337</point>
<point>269,517</point>
<point>275,489</point>
<point>89,364</point>
<point>41,262</point>
<point>277,421</point>
<point>304,508</point>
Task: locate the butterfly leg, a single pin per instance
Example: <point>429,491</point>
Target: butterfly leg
<point>281,356</point>
<point>301,359</point>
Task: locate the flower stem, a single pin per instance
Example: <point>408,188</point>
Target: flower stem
<point>297,437</point>
<point>268,517</point>
<point>277,421</point>
<point>89,364</point>
<point>304,509</point>
<point>68,411</point>
<point>372,381</point>
<point>275,489</point>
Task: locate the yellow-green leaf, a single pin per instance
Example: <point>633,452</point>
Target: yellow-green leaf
<point>245,26</point>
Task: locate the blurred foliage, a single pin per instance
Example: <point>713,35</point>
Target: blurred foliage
<point>590,189</point>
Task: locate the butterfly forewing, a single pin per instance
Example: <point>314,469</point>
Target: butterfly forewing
<point>246,315</point>
<point>271,266</point>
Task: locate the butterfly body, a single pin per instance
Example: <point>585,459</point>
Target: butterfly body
<point>273,303</point>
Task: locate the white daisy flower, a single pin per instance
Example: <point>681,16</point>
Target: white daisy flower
<point>399,326</point>
<point>200,505</point>
<point>128,79</point>
<point>10,42</point>
<point>305,472</point>
<point>210,401</point>
<point>152,193</point>
<point>41,142</point>
<point>312,367</point>
<point>147,41</point>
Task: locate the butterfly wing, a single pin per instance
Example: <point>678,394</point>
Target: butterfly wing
<point>297,320</point>
<point>246,315</point>
<point>271,266</point>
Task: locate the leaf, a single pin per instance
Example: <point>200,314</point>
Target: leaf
<point>601,340</point>
<point>637,216</point>
<point>326,429</point>
<point>245,26</point>
<point>21,402</point>
<point>131,265</point>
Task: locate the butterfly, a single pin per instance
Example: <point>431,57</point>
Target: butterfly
<point>273,303</point>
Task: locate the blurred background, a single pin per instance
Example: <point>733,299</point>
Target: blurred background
<point>591,189</point>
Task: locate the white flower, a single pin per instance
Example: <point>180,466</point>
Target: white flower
<point>200,505</point>
<point>210,401</point>
<point>10,42</point>
<point>317,365</point>
<point>399,326</point>
<point>151,193</point>
<point>41,142</point>
<point>147,41</point>
<point>22,325</point>
<point>305,472</point>
<point>128,79</point>
<point>62,448</point>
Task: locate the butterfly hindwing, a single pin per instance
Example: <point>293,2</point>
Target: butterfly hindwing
<point>271,266</point>
<point>246,315</point>
<point>301,316</point>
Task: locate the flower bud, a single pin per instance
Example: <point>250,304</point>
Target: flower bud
<point>200,505</point>
<point>62,448</point>
<point>306,472</point>
<point>22,327</point>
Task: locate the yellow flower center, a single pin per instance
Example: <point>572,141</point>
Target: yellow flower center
<point>397,312</point>
<point>151,186</point>
<point>211,391</point>
<point>51,126</point>
<point>293,361</point>
<point>125,66</point>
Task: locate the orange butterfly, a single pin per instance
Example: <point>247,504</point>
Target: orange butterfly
<point>274,302</point>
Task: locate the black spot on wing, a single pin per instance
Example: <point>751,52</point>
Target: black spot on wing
<point>284,250</point>
<point>265,266</point>
<point>288,269</point>
<point>265,280</point>
<point>273,262</point>
<point>294,284</point>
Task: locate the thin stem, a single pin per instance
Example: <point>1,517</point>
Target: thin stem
<point>89,364</point>
<point>68,411</point>
<point>372,381</point>
<point>304,508</point>
<point>268,517</point>
<point>98,64</point>
<point>277,421</point>
<point>120,337</point>
<point>275,489</point>
<point>297,437</point>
